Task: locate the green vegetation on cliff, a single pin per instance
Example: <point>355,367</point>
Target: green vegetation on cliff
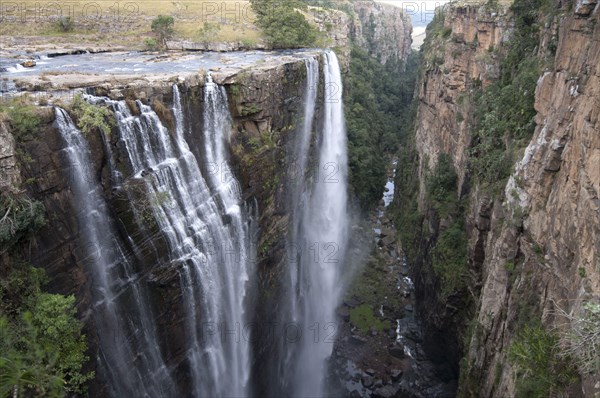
<point>504,111</point>
<point>19,218</point>
<point>541,372</point>
<point>283,23</point>
<point>449,252</point>
<point>23,119</point>
<point>89,117</point>
<point>42,349</point>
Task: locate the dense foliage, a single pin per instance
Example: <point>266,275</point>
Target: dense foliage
<point>283,23</point>
<point>449,258</point>
<point>19,217</point>
<point>23,120</point>
<point>89,117</point>
<point>442,186</point>
<point>583,338</point>
<point>504,113</point>
<point>41,345</point>
<point>42,349</point>
<point>541,372</point>
<point>377,99</point>
<point>449,254</point>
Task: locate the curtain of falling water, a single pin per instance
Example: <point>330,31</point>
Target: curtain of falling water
<point>321,234</point>
<point>128,353</point>
<point>208,231</point>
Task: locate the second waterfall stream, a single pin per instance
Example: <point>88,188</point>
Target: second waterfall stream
<point>321,234</point>
<point>193,224</point>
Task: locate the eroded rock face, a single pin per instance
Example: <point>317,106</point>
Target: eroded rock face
<point>10,174</point>
<point>453,68</point>
<point>265,104</point>
<point>457,61</point>
<point>548,219</point>
<point>558,192</point>
<point>384,30</point>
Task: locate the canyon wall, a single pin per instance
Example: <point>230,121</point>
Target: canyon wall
<point>384,31</point>
<point>265,103</point>
<point>381,29</point>
<point>534,243</point>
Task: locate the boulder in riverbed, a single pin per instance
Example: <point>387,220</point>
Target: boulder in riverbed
<point>396,374</point>
<point>397,350</point>
<point>388,391</point>
<point>367,381</point>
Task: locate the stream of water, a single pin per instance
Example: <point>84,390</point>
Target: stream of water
<point>208,231</point>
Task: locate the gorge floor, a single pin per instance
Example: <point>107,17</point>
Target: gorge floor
<point>379,352</point>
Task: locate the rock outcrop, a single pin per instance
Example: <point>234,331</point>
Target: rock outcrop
<point>459,59</point>
<point>557,185</point>
<point>534,248</point>
<point>10,173</point>
<point>381,29</point>
<point>384,31</point>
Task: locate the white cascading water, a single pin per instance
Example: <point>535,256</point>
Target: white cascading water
<point>208,233</point>
<point>128,352</point>
<point>323,239</point>
<point>299,172</point>
<point>297,187</point>
<point>199,211</point>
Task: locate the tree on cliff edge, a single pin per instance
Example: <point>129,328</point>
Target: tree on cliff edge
<point>162,26</point>
<point>283,24</point>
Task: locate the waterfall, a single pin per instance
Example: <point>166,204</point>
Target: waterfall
<point>322,235</point>
<point>207,230</point>
<point>299,187</point>
<point>128,353</point>
<point>193,204</point>
<point>198,209</point>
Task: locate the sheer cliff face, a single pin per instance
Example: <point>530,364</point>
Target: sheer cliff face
<point>547,220</point>
<point>9,167</point>
<point>383,30</point>
<point>456,62</point>
<point>558,195</point>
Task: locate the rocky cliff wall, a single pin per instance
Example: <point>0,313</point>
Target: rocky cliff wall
<point>557,185</point>
<point>534,246</point>
<point>456,61</point>
<point>265,102</point>
<point>458,58</point>
<point>383,30</point>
